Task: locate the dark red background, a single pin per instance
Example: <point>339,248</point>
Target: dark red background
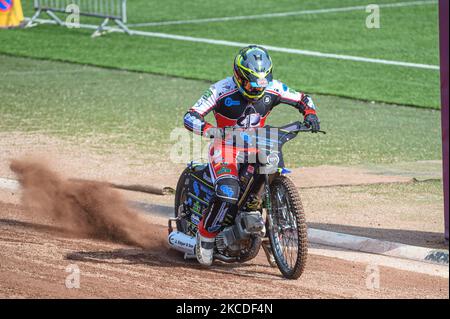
<point>443,39</point>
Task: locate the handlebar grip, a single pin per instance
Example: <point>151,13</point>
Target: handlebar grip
<point>304,128</point>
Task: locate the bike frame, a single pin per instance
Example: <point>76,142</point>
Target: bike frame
<point>262,180</point>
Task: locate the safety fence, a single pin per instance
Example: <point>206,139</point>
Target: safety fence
<point>115,10</point>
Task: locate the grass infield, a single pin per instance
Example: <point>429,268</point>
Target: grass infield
<point>407,34</point>
<point>128,109</point>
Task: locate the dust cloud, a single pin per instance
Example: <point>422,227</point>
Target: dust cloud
<point>86,209</point>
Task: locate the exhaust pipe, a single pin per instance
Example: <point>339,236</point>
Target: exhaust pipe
<point>182,242</point>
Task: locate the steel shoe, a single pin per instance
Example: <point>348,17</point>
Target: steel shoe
<point>204,249</point>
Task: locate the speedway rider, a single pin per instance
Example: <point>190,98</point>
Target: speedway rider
<point>246,98</point>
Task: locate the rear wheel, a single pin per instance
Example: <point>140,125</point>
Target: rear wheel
<point>287,228</point>
<point>180,198</point>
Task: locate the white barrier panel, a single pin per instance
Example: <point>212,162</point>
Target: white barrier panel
<point>115,10</point>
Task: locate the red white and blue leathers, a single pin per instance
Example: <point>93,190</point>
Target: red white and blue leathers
<point>231,109</point>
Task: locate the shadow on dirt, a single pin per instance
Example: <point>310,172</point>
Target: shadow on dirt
<point>155,257</point>
<point>408,237</point>
<point>172,259</point>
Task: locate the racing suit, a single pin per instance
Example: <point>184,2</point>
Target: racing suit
<point>232,109</point>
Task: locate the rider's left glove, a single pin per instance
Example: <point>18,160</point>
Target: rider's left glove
<point>312,121</point>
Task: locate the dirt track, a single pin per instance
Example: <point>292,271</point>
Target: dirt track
<point>35,251</point>
<point>34,256</point>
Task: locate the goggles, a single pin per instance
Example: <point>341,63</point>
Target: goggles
<point>257,87</point>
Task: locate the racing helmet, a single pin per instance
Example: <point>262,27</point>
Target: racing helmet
<point>252,71</point>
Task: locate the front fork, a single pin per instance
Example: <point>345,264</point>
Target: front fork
<point>267,215</point>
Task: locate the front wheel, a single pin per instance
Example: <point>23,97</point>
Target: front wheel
<point>287,228</point>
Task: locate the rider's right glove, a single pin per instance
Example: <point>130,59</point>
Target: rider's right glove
<point>312,121</point>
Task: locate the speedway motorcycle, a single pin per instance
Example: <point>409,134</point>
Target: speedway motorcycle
<point>269,212</point>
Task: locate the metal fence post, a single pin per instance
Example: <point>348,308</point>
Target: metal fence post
<point>124,11</point>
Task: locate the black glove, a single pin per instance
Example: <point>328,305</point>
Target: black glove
<point>313,122</point>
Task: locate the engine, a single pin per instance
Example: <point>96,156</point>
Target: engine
<point>238,237</point>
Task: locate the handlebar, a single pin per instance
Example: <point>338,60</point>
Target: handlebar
<point>303,128</point>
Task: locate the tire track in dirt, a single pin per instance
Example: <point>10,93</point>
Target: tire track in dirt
<point>158,275</point>
<point>141,266</point>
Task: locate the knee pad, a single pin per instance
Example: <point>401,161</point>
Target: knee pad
<point>227,189</point>
<point>215,215</point>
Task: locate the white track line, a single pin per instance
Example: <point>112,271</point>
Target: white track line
<point>270,48</point>
<point>10,184</point>
<point>380,260</point>
<point>376,246</point>
<point>280,14</point>
<point>286,50</point>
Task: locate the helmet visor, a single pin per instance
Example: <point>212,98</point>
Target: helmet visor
<point>257,86</point>
<point>253,89</point>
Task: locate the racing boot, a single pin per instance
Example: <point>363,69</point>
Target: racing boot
<point>204,249</point>
<point>206,233</point>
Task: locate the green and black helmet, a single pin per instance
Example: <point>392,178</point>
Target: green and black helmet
<point>252,71</point>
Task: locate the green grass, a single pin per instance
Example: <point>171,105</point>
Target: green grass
<point>409,213</point>
<point>419,192</point>
<point>349,36</point>
<point>407,34</point>
<point>120,110</point>
<point>140,11</point>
